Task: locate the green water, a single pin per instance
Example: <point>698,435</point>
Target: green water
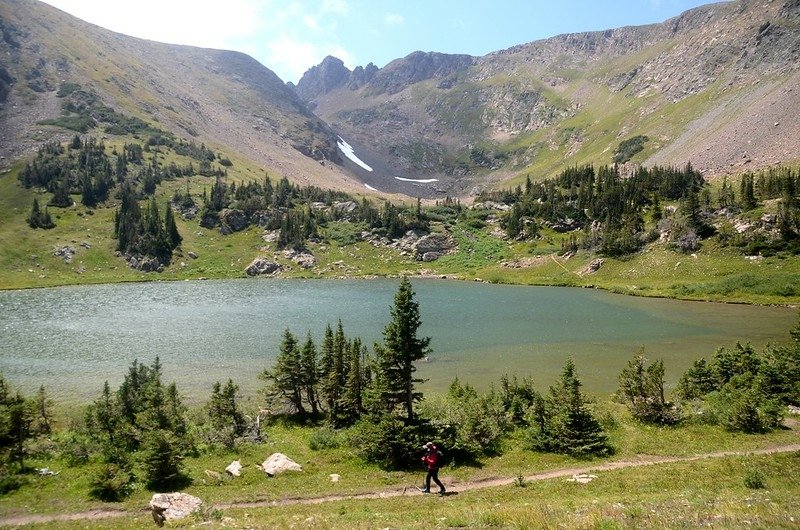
<point>72,339</point>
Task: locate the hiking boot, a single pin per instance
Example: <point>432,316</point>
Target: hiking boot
<point>424,490</point>
<point>441,492</point>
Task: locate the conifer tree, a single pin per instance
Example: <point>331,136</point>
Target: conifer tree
<point>401,348</point>
<point>311,373</point>
<point>285,379</point>
<point>171,229</point>
<point>641,388</point>
<point>328,378</point>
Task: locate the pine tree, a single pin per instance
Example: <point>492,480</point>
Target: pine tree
<point>311,373</point>
<point>641,387</point>
<point>42,412</point>
<point>563,424</point>
<point>328,378</point>
<point>401,348</point>
<point>171,229</point>
<point>285,379</point>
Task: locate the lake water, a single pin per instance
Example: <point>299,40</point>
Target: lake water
<point>72,339</point>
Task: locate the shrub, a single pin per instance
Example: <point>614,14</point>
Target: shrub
<point>388,442</point>
<point>111,484</point>
<point>162,457</point>
<point>754,480</point>
<point>324,438</point>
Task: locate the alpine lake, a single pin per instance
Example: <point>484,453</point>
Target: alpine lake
<point>73,339</point>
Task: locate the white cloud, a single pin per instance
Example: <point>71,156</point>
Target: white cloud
<point>393,19</point>
<point>288,36</point>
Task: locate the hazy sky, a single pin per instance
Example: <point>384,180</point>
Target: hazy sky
<point>289,37</point>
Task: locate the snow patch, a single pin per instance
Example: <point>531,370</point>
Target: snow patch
<point>370,187</point>
<point>419,181</point>
<point>347,150</point>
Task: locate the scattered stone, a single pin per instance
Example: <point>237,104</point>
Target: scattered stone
<point>582,478</point>
<point>65,252</point>
<point>86,245</point>
<point>335,477</point>
<point>214,475</point>
<point>344,207</point>
<point>270,236</point>
<point>234,469</point>
<point>192,255</point>
<point>794,410</point>
<point>262,266</point>
<point>172,506</point>
<point>303,258</point>
<point>491,205</point>
<point>46,472</point>
<point>279,463</point>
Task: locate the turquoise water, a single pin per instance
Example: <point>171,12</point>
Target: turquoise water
<point>72,339</point>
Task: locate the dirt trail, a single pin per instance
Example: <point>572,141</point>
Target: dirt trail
<point>454,487</point>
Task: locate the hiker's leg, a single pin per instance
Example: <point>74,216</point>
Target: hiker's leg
<point>428,480</point>
<point>434,474</point>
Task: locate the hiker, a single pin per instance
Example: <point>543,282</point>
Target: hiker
<point>433,460</point>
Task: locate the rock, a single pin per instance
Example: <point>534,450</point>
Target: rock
<point>491,205</point>
<point>214,475</point>
<point>344,207</point>
<point>335,477</point>
<point>261,218</point>
<point>440,244</point>
<point>192,255</point>
<point>233,220</point>
<point>303,258</point>
<point>209,220</point>
<point>582,478</point>
<point>592,267</point>
<point>149,265</point>
<point>65,252</point>
<point>270,236</point>
<point>278,463</point>
<point>172,506</point>
<point>234,469</point>
<point>431,256</point>
<point>262,266</point>
<point>86,245</point>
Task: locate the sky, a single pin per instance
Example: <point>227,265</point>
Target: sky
<point>291,36</point>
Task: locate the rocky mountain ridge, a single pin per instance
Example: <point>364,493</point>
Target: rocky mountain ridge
<point>707,87</point>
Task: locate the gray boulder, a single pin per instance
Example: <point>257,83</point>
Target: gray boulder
<point>279,463</point>
<point>233,221</point>
<point>172,506</point>
<point>262,266</point>
<point>434,244</point>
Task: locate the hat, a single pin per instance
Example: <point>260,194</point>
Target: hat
<point>428,445</point>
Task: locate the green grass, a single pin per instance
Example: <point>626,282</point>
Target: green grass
<point>664,495</point>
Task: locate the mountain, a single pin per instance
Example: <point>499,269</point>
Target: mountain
<point>711,87</point>
<point>57,68</point>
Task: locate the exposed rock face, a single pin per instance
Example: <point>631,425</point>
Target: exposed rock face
<point>434,246</point>
<point>318,80</point>
<point>262,266</point>
<point>305,259</point>
<point>172,506</point>
<point>233,221</point>
<point>279,463</point>
<point>415,67</point>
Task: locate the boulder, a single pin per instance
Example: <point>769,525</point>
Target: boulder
<point>171,506</point>
<point>234,469</point>
<point>592,267</point>
<point>439,244</point>
<point>192,255</point>
<point>233,221</point>
<point>303,258</point>
<point>431,256</point>
<point>261,218</point>
<point>279,463</point>
<point>209,220</point>
<point>262,266</point>
<point>344,207</point>
<point>149,265</point>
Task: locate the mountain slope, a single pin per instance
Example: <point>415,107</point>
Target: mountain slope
<point>711,87</point>
<point>225,99</point>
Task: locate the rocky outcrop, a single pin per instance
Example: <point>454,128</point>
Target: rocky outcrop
<point>318,80</point>
<point>66,253</point>
<point>303,258</point>
<point>261,266</point>
<point>145,264</point>
<point>172,506</point>
<point>233,221</point>
<point>279,463</point>
<point>415,67</point>
<point>434,246</point>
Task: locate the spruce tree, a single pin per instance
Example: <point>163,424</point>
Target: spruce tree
<point>641,388</point>
<point>311,373</point>
<point>328,378</point>
<point>285,379</point>
<point>171,229</point>
<point>401,348</point>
